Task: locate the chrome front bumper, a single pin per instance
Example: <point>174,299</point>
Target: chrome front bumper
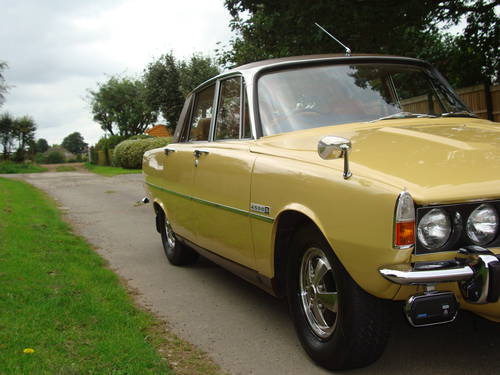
<point>476,270</point>
<point>427,273</point>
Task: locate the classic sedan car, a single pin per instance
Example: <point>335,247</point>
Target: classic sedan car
<point>341,183</point>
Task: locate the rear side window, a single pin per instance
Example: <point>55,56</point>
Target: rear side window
<point>229,112</point>
<point>202,115</point>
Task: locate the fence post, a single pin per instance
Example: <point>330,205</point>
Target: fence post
<point>489,101</point>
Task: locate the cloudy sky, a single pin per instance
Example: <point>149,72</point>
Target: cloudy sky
<point>57,49</point>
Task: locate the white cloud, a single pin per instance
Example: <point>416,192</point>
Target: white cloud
<point>58,49</point>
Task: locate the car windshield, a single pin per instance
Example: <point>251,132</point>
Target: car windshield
<point>310,97</point>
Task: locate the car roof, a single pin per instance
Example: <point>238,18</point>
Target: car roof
<point>253,68</point>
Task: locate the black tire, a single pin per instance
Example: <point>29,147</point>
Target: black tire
<point>340,331</point>
<point>177,253</point>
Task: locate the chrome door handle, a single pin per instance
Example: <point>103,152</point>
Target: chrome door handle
<point>199,152</point>
<point>168,150</point>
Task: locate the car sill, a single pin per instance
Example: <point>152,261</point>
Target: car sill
<point>252,276</point>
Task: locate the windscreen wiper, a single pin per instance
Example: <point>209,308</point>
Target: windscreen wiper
<point>459,114</point>
<point>405,115</point>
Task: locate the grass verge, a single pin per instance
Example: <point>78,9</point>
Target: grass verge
<point>58,299</point>
<point>10,167</point>
<point>110,171</point>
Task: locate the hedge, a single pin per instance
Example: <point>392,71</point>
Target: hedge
<point>55,157</point>
<point>128,154</point>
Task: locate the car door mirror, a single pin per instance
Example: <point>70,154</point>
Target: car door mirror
<point>333,147</point>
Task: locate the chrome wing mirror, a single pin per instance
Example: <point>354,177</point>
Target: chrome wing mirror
<point>332,147</point>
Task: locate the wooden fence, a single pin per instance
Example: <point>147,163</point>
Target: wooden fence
<point>483,101</point>
<point>479,98</point>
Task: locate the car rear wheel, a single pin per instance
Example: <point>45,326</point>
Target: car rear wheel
<point>177,253</point>
<point>339,325</point>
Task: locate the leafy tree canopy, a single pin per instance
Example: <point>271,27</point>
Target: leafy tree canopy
<point>6,133</point>
<point>168,81</point>
<point>120,106</point>
<point>24,131</point>
<point>162,80</point>
<point>74,143</point>
<point>42,145</point>
<point>3,86</point>
<point>18,132</point>
<point>268,29</point>
<point>195,71</point>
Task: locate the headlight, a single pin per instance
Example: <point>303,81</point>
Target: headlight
<point>482,224</point>
<point>434,229</point>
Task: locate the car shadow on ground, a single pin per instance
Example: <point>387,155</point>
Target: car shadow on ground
<point>467,346</point>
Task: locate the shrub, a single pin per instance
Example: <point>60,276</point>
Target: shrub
<point>54,157</point>
<point>94,157</point>
<point>10,167</point>
<point>109,142</point>
<point>40,158</point>
<point>18,156</point>
<point>128,154</point>
<point>141,136</point>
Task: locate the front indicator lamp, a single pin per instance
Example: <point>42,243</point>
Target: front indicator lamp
<point>404,222</point>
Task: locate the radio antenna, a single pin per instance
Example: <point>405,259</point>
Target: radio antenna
<point>347,49</point>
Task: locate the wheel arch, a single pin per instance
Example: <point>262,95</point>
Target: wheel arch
<point>286,223</point>
<point>159,209</point>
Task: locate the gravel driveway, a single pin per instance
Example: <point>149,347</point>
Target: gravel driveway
<point>242,328</point>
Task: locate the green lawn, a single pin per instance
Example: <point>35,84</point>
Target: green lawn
<point>10,167</point>
<point>58,298</point>
<point>110,171</point>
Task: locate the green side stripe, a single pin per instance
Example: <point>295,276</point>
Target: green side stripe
<point>213,204</point>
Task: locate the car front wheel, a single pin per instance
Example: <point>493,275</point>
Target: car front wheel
<point>339,325</point>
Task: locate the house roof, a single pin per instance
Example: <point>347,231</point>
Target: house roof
<point>158,131</point>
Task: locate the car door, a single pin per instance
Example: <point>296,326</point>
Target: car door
<point>180,164</point>
<point>222,180</point>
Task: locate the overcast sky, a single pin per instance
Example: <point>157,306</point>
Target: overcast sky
<point>57,49</point>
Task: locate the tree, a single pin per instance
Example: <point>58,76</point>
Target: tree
<point>42,145</point>
<point>162,79</point>
<point>479,43</point>
<point>6,133</point>
<point>120,105</point>
<point>74,143</point>
<point>24,130</point>
<point>168,82</point>
<point>3,86</point>
<point>195,71</point>
<point>406,27</point>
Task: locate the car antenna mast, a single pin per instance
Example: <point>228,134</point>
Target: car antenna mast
<point>347,49</point>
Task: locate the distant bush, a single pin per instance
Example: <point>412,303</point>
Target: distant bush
<point>10,167</point>
<point>128,154</point>
<point>55,157</point>
<point>40,158</point>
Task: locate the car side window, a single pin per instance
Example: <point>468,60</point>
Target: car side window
<point>229,112</point>
<point>202,115</point>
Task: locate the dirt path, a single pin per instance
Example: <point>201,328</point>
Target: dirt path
<point>242,328</point>
<point>76,166</point>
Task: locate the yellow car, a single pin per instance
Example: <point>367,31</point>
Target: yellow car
<point>341,183</point>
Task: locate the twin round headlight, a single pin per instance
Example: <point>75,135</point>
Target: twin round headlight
<point>482,224</point>
<point>435,228</point>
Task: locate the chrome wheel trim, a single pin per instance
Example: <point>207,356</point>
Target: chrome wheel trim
<point>318,292</point>
<point>170,237</point>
